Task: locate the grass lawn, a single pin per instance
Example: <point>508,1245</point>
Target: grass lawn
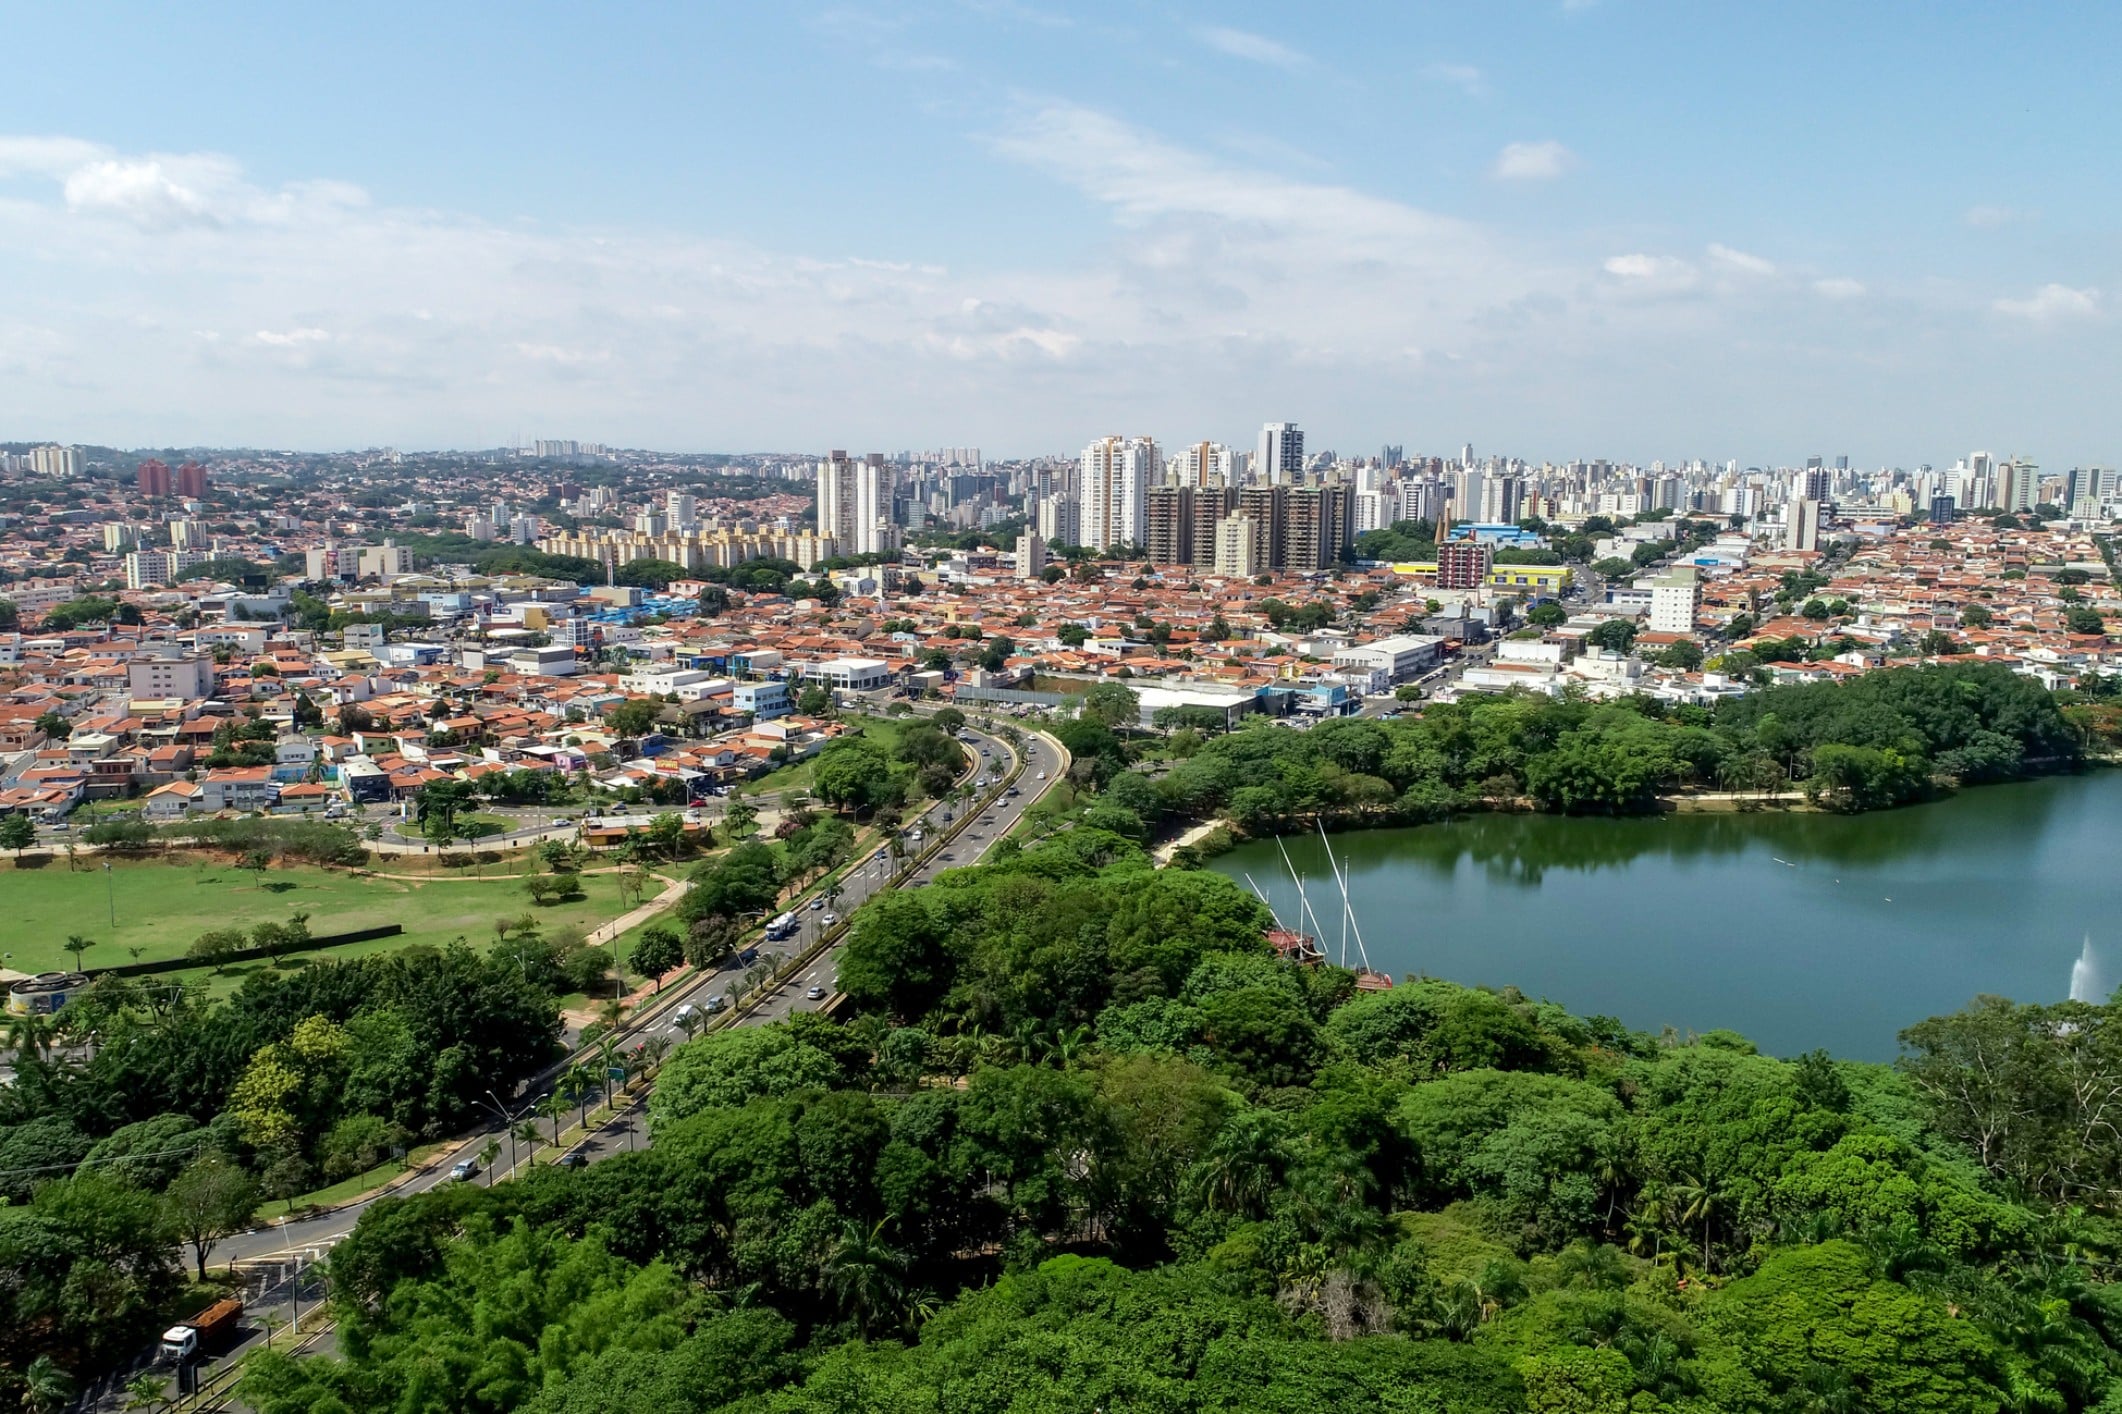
<point>162,905</point>
<point>353,1187</point>
<point>882,730</point>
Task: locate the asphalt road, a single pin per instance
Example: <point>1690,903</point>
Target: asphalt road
<point>309,1238</point>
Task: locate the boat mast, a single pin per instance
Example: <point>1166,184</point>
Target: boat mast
<point>1263,899</point>
<point>1348,909</point>
<point>1302,896</point>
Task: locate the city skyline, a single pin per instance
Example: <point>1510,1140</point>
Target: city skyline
<point>1417,227</point>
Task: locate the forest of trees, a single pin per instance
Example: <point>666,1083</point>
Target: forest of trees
<point>146,1113</point>
<point>1885,738</point>
<point>1083,1142</point>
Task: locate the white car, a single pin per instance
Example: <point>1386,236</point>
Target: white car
<point>830,919</point>
<point>1042,775</point>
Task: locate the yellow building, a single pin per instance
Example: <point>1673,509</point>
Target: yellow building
<point>1538,579</point>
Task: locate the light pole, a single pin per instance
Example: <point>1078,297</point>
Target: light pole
<point>110,892</point>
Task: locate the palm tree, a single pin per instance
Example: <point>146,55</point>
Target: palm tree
<point>581,1083</point>
<point>1241,1167</point>
<point>865,1273</point>
<point>1698,1201</point>
<point>32,1034</point>
<point>527,1131</point>
<point>46,1388</point>
<point>487,1154</point>
<point>553,1106</point>
<point>146,1391</point>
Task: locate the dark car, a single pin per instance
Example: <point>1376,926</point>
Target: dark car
<point>574,1159</point>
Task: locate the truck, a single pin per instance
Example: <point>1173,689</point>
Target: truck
<point>782,927</point>
<point>204,1334</point>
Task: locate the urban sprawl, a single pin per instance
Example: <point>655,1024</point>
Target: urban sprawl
<point>396,619</point>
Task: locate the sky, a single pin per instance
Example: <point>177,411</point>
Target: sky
<point>1567,228</point>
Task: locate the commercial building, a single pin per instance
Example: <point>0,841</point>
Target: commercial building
<point>764,700</point>
<point>1399,658</point>
<point>852,674</point>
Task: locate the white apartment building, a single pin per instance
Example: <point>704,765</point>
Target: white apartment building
<point>58,461</point>
<point>185,675</point>
<point>1280,459</point>
<point>1117,473</point>
<point>855,503</point>
<point>1208,464</point>
<point>1235,539</point>
<point>150,569</point>
<point>1675,601</point>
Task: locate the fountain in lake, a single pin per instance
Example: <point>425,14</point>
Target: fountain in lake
<point>2086,983</point>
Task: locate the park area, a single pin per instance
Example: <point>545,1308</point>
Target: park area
<point>161,906</point>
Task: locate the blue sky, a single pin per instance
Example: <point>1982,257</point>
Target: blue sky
<point>1613,228</point>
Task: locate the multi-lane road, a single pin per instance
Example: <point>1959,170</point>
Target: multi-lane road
<point>994,814</point>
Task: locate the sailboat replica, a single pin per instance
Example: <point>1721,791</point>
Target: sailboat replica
<point>1299,946</point>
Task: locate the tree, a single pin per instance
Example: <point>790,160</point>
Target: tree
<point>210,1199</point>
<point>814,701</point>
<point>2085,620</point>
<point>77,945</point>
<point>658,950</point>
<point>53,725</point>
<point>1684,656</point>
<point>740,818</point>
<point>634,718</point>
<point>1615,635</point>
<point>1111,705</point>
<point>256,861</point>
<point>46,1388</point>
<point>1546,615</point>
<point>17,832</point>
<point>216,948</point>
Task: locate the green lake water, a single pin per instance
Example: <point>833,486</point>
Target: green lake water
<point>1798,930</point>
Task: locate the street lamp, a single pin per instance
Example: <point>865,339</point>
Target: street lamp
<point>110,892</point>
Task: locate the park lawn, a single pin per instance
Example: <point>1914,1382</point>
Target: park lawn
<point>797,774</point>
<point>162,905</point>
<point>352,1187</point>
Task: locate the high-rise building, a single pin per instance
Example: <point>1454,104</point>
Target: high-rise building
<point>1208,464</point>
<point>1316,527</point>
<point>680,509</point>
<point>1280,459</point>
<point>1811,484</point>
<point>855,503</point>
<point>58,461</point>
<point>1390,456</point>
<point>1464,564</point>
<point>2018,484</point>
<point>1236,538</point>
<point>1500,499</point>
<point>1117,473</point>
<point>1801,528</point>
<point>147,569</point>
<point>1031,554</point>
<point>1943,511</point>
<point>191,481</point>
<point>154,479</point>
<point>1675,600</point>
<point>1060,519</point>
<point>1168,524</point>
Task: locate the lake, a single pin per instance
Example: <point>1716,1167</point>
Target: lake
<point>1797,930</point>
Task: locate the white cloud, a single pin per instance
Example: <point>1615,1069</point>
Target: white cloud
<point>2052,302</point>
<point>1465,77</point>
<point>46,156</point>
<point>1839,287</point>
<point>1990,217</point>
<point>1532,162</point>
<point>1740,261</point>
<point>142,192</point>
<point>1256,48</point>
<point>1639,266</point>
<point>290,338</point>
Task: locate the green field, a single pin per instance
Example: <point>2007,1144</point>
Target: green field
<point>882,730</point>
<point>162,905</point>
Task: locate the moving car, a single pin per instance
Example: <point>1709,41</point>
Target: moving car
<point>574,1159</point>
<point>464,1170</point>
<point>815,993</point>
